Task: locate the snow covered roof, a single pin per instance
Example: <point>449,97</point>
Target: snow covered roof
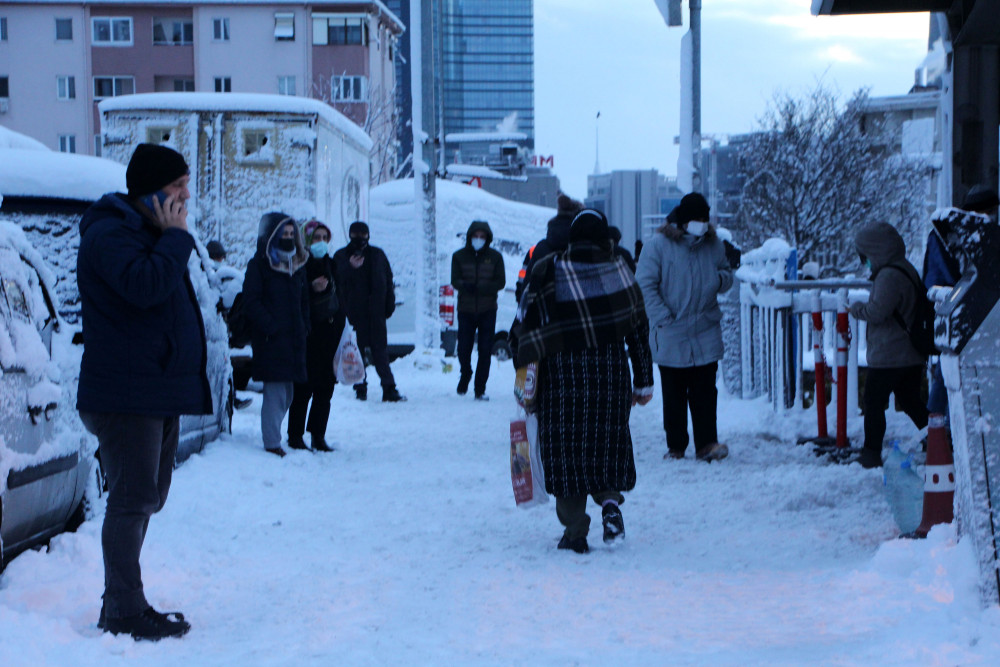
<point>910,101</point>
<point>480,172</point>
<point>45,173</point>
<point>257,102</point>
<point>471,137</point>
<point>11,139</point>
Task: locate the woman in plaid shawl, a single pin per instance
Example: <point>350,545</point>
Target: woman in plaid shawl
<point>580,305</point>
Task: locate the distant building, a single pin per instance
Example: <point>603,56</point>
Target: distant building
<point>635,201</point>
<point>63,58</point>
<point>502,164</point>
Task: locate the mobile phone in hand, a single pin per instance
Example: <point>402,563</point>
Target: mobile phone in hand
<point>148,200</point>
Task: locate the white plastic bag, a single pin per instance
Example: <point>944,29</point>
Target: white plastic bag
<point>526,473</point>
<point>348,364</point>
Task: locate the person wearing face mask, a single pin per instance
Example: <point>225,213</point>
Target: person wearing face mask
<point>682,271</point>
<point>327,324</point>
<point>276,300</point>
<point>478,274</point>
<point>364,279</point>
<point>894,365</point>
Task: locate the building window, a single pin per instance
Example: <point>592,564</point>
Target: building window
<point>113,86</point>
<point>284,27</point>
<point>286,85</point>
<point>183,85</point>
<point>223,84</point>
<point>67,143</point>
<point>108,31</point>
<point>66,87</point>
<point>64,30</point>
<point>220,30</point>
<point>349,88</point>
<point>98,145</point>
<point>339,30</point>
<point>3,28</point>
<point>254,141</point>
<point>4,87</point>
<point>173,31</point>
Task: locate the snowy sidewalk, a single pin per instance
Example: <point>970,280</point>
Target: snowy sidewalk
<point>404,547</point>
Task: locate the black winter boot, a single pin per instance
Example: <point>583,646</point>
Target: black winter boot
<point>463,384</point>
<point>392,395</point>
<point>614,524</point>
<point>296,442</point>
<point>579,545</point>
<point>149,625</point>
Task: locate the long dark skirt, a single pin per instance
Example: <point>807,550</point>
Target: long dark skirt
<point>584,403</point>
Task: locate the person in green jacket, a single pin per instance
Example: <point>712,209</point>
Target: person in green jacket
<point>477,274</point>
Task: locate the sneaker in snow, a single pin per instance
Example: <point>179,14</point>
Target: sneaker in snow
<point>277,451</point>
<point>714,452</point>
<point>614,524</point>
<point>482,397</point>
<point>149,625</point>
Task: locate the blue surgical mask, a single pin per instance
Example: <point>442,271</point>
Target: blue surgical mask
<point>319,249</point>
<point>478,244</point>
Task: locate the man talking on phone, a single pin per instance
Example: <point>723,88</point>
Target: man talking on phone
<point>143,365</point>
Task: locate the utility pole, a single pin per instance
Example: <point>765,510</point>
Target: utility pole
<point>428,329</point>
<point>689,138</point>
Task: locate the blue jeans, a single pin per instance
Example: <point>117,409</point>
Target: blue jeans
<point>137,456</point>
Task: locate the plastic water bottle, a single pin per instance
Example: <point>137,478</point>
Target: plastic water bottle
<point>904,489</point>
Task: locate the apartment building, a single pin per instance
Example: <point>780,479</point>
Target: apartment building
<point>59,59</point>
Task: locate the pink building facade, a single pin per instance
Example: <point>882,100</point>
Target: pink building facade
<point>58,59</point>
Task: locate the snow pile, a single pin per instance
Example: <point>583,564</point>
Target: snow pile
<point>11,139</point>
<point>35,173</point>
<point>770,557</point>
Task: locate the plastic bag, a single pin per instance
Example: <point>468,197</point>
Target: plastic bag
<point>904,489</point>
<point>526,473</point>
<point>348,364</point>
<point>525,385</point>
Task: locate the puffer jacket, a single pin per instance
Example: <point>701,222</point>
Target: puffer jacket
<point>681,276</point>
<point>478,276</point>
<point>888,343</point>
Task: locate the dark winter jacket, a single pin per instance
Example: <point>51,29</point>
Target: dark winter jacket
<point>940,267</point>
<point>144,349</point>
<point>276,299</point>
<point>478,276</point>
<point>892,291</point>
<point>367,293</point>
<point>681,277</point>
<point>556,240</point>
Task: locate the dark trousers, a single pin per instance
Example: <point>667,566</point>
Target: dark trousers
<point>137,455</point>
<point>480,329</point>
<point>904,383</point>
<point>689,388</point>
<point>572,511</point>
<point>374,346</point>
<point>319,414</point>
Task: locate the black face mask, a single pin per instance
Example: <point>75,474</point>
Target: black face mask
<point>358,243</point>
<point>286,245</point>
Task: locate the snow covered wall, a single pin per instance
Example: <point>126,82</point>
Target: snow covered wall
<point>250,154</point>
<point>516,227</point>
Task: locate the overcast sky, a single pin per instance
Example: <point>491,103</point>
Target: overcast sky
<point>618,57</point>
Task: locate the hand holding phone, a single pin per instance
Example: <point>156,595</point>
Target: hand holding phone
<point>167,210</point>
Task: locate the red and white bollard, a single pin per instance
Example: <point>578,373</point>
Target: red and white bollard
<point>819,367</point>
<point>843,344</point>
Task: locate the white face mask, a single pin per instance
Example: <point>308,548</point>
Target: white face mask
<point>478,244</point>
<point>695,228</point>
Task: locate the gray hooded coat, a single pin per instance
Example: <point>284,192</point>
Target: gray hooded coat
<point>681,276</point>
<point>888,343</point>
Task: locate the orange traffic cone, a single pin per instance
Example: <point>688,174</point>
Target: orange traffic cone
<point>939,479</point>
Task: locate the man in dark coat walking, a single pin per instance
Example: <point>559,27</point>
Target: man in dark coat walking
<point>477,272</point>
<point>556,240</point>
<point>144,358</point>
<point>365,278</point>
<point>276,299</point>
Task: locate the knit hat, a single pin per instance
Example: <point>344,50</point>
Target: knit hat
<point>310,228</point>
<point>692,207</point>
<point>358,227</point>
<point>216,250</point>
<point>152,167</point>
<point>980,199</point>
<point>567,205</point>
<point>589,225</point>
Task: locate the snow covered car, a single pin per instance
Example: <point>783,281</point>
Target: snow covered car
<point>46,457</point>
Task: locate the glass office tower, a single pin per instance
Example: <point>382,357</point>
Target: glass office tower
<point>487,67</point>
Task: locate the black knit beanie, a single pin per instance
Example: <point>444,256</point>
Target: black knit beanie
<point>358,227</point>
<point>589,225</point>
<point>153,167</point>
<point>980,199</point>
<point>692,207</point>
<point>567,205</point>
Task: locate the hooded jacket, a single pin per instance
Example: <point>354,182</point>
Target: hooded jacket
<point>681,276</point>
<point>144,350</point>
<point>276,299</point>
<point>888,343</point>
<point>478,276</point>
<point>556,240</point>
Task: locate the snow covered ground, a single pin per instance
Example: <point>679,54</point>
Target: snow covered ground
<point>404,547</point>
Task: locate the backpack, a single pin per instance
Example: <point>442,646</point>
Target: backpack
<point>240,330</point>
<point>921,331</point>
